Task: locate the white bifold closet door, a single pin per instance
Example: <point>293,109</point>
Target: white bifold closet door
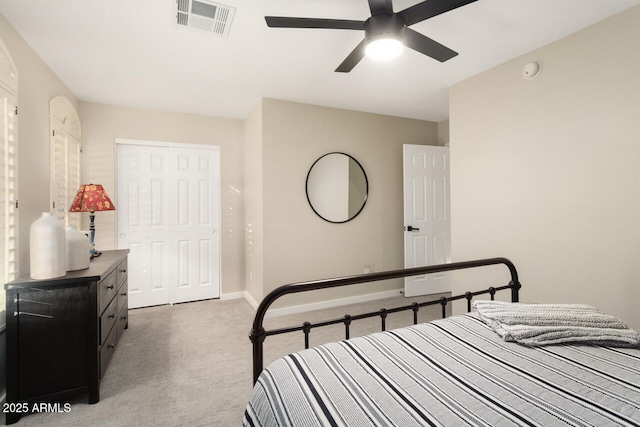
<point>168,216</point>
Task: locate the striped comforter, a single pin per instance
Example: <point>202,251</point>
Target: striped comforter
<point>450,372</point>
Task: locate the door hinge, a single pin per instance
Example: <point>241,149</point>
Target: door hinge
<point>54,205</point>
<point>16,112</point>
<point>16,204</point>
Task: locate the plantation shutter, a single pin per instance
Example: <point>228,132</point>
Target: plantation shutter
<point>73,179</point>
<point>65,180</point>
<point>8,175</point>
<point>66,147</point>
<point>8,187</point>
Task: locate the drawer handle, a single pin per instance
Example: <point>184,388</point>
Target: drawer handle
<point>124,294</point>
<point>111,346</point>
<point>16,300</point>
<point>24,313</point>
<point>124,270</point>
<point>123,318</point>
<point>112,316</point>
<point>110,287</point>
<point>25,287</point>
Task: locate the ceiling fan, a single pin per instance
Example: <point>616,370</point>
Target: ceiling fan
<point>384,28</point>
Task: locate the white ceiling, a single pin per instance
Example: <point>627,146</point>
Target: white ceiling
<point>130,53</point>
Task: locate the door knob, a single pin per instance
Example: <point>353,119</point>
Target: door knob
<point>410,228</point>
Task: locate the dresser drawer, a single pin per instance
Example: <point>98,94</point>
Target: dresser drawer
<point>106,352</point>
<point>121,272</point>
<point>107,290</point>
<point>108,319</point>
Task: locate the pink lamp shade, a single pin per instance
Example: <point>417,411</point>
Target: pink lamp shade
<point>91,198</point>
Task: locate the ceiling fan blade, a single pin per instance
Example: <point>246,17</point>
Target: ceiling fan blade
<point>352,60</point>
<point>378,7</point>
<point>430,8</point>
<point>424,44</point>
<point>337,24</point>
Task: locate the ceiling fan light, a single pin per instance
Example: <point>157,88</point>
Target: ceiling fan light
<point>384,48</point>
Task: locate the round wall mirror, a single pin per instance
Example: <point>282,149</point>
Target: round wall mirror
<point>337,187</point>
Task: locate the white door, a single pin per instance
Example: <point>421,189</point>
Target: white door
<point>195,219</point>
<point>142,221</point>
<point>427,221</point>
<point>168,217</point>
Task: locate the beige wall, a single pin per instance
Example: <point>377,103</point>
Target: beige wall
<point>37,84</point>
<point>102,124</point>
<point>547,171</point>
<point>300,246</point>
<point>443,133</point>
<point>254,209</point>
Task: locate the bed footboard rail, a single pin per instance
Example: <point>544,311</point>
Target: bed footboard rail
<point>258,334</point>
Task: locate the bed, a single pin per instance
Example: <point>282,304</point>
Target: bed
<point>454,371</point>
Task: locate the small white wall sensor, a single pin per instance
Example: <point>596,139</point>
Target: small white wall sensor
<point>532,70</point>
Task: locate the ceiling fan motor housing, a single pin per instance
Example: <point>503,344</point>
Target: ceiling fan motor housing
<point>384,25</point>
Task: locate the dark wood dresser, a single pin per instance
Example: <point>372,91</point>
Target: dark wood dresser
<point>61,333</point>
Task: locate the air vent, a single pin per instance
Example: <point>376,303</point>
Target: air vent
<point>204,15</point>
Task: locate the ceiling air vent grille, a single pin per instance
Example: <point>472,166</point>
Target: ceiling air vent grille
<point>204,15</point>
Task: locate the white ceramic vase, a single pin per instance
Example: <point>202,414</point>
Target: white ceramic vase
<point>47,248</point>
<point>77,246</point>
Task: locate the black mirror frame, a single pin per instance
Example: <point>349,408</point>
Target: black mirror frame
<point>366,181</point>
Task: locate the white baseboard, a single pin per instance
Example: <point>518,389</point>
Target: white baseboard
<point>233,295</point>
<point>251,301</point>
<point>276,312</point>
<point>238,295</point>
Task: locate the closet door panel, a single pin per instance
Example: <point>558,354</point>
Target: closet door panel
<point>196,233</point>
<point>143,221</point>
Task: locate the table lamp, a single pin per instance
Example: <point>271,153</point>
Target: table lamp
<point>91,198</point>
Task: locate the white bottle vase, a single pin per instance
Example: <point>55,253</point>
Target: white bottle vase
<point>47,248</point>
<point>77,246</point>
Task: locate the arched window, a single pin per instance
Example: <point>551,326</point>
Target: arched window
<point>66,146</point>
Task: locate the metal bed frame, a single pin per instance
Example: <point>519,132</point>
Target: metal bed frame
<point>258,334</point>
